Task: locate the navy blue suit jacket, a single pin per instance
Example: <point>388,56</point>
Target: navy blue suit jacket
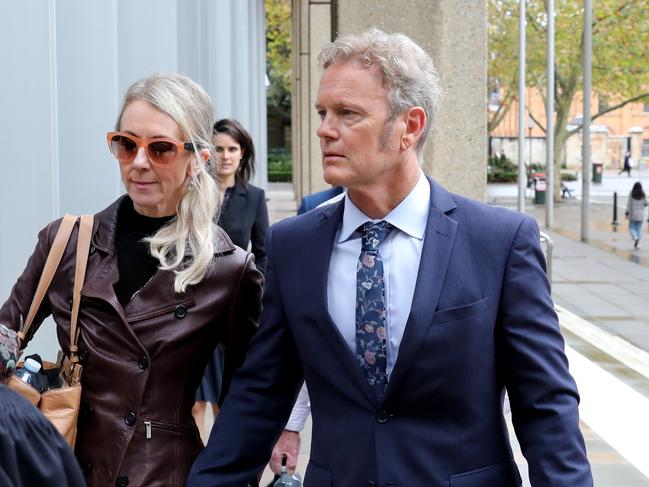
<point>482,320</point>
<point>311,201</point>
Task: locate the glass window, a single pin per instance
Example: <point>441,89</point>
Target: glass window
<point>645,148</point>
<point>602,103</point>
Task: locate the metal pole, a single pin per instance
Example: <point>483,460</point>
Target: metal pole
<point>615,223</point>
<point>522,120</point>
<point>585,145</point>
<point>549,110</point>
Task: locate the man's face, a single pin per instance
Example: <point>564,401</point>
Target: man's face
<point>358,146</point>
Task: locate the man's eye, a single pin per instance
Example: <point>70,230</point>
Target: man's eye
<point>321,114</point>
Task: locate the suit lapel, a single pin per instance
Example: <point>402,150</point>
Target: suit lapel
<point>321,241</point>
<point>435,255</point>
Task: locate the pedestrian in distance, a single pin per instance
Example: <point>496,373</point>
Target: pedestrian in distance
<point>244,217</point>
<point>163,286</point>
<point>406,334</point>
<point>626,167</point>
<point>635,212</point>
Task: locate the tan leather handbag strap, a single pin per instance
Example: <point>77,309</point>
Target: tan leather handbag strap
<point>83,249</point>
<point>51,264</point>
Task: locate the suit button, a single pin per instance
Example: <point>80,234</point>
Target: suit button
<point>371,483</point>
<point>382,417</point>
<point>143,362</point>
<point>86,468</point>
<point>130,418</point>
<point>122,481</point>
<point>181,311</point>
<point>93,249</point>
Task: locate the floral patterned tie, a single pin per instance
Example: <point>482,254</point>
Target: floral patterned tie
<point>370,307</point>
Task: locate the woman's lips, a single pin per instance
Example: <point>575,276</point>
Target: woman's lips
<point>143,184</point>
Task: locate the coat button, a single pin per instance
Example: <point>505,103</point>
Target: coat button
<point>83,356</point>
<point>130,418</point>
<point>93,249</point>
<point>382,417</point>
<point>181,311</point>
<point>143,362</point>
<point>86,468</point>
<point>122,481</point>
<point>371,483</point>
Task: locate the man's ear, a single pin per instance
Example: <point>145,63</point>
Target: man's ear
<point>415,119</point>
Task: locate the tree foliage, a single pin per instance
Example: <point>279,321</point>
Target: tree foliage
<point>620,55</point>
<point>278,56</point>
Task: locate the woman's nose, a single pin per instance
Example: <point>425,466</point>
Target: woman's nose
<point>141,158</point>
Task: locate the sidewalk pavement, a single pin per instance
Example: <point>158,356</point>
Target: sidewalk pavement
<point>602,292</point>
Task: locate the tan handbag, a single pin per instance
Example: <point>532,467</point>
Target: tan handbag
<point>60,405</point>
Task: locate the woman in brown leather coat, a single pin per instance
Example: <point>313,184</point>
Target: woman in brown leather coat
<point>163,286</point>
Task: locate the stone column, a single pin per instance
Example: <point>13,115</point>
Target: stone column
<point>455,37</point>
<point>312,29</point>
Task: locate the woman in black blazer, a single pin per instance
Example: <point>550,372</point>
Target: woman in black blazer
<point>244,216</point>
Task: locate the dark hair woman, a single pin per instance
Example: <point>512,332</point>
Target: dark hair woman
<point>244,216</point>
<point>635,212</point>
<point>163,286</point>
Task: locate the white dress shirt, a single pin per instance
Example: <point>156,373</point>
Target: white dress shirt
<point>401,253</point>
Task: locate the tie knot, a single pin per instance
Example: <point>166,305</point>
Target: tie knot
<point>373,234</point>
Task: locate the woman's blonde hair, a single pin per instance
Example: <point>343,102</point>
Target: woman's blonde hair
<point>186,244</point>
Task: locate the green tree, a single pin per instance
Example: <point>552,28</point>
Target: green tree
<point>278,57</point>
<point>620,57</point>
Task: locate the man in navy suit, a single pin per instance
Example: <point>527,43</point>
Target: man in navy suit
<point>407,309</point>
<point>311,201</point>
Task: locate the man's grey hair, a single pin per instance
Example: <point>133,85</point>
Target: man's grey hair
<point>407,71</point>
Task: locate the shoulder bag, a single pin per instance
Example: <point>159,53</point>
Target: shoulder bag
<point>60,404</point>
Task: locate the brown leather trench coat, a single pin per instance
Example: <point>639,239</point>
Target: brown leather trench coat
<point>142,362</point>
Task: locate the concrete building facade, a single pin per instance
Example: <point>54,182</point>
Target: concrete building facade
<point>456,38</point>
<point>66,67</point>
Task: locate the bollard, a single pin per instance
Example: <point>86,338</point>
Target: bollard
<point>615,223</point>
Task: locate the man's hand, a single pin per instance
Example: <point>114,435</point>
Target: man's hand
<point>288,445</point>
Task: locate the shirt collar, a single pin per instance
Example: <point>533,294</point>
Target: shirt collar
<point>410,216</point>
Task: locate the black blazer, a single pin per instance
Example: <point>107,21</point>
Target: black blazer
<point>245,219</point>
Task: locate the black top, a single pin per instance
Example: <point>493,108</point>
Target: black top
<point>135,263</point>
<point>32,452</point>
<point>244,216</point>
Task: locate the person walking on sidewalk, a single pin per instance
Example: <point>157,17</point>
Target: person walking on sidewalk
<point>635,212</point>
<point>384,302</point>
<point>627,164</point>
<point>164,285</point>
<point>244,217</point>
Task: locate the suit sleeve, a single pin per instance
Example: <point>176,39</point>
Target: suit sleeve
<point>543,394</point>
<point>261,396</point>
<point>304,206</point>
<point>22,293</point>
<point>258,233</point>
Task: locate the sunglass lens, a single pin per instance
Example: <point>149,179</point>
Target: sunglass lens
<point>162,152</point>
<point>123,148</point>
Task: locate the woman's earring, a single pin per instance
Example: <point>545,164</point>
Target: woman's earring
<point>190,185</point>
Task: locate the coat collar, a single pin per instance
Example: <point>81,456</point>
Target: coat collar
<point>435,256</point>
<point>105,228</point>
